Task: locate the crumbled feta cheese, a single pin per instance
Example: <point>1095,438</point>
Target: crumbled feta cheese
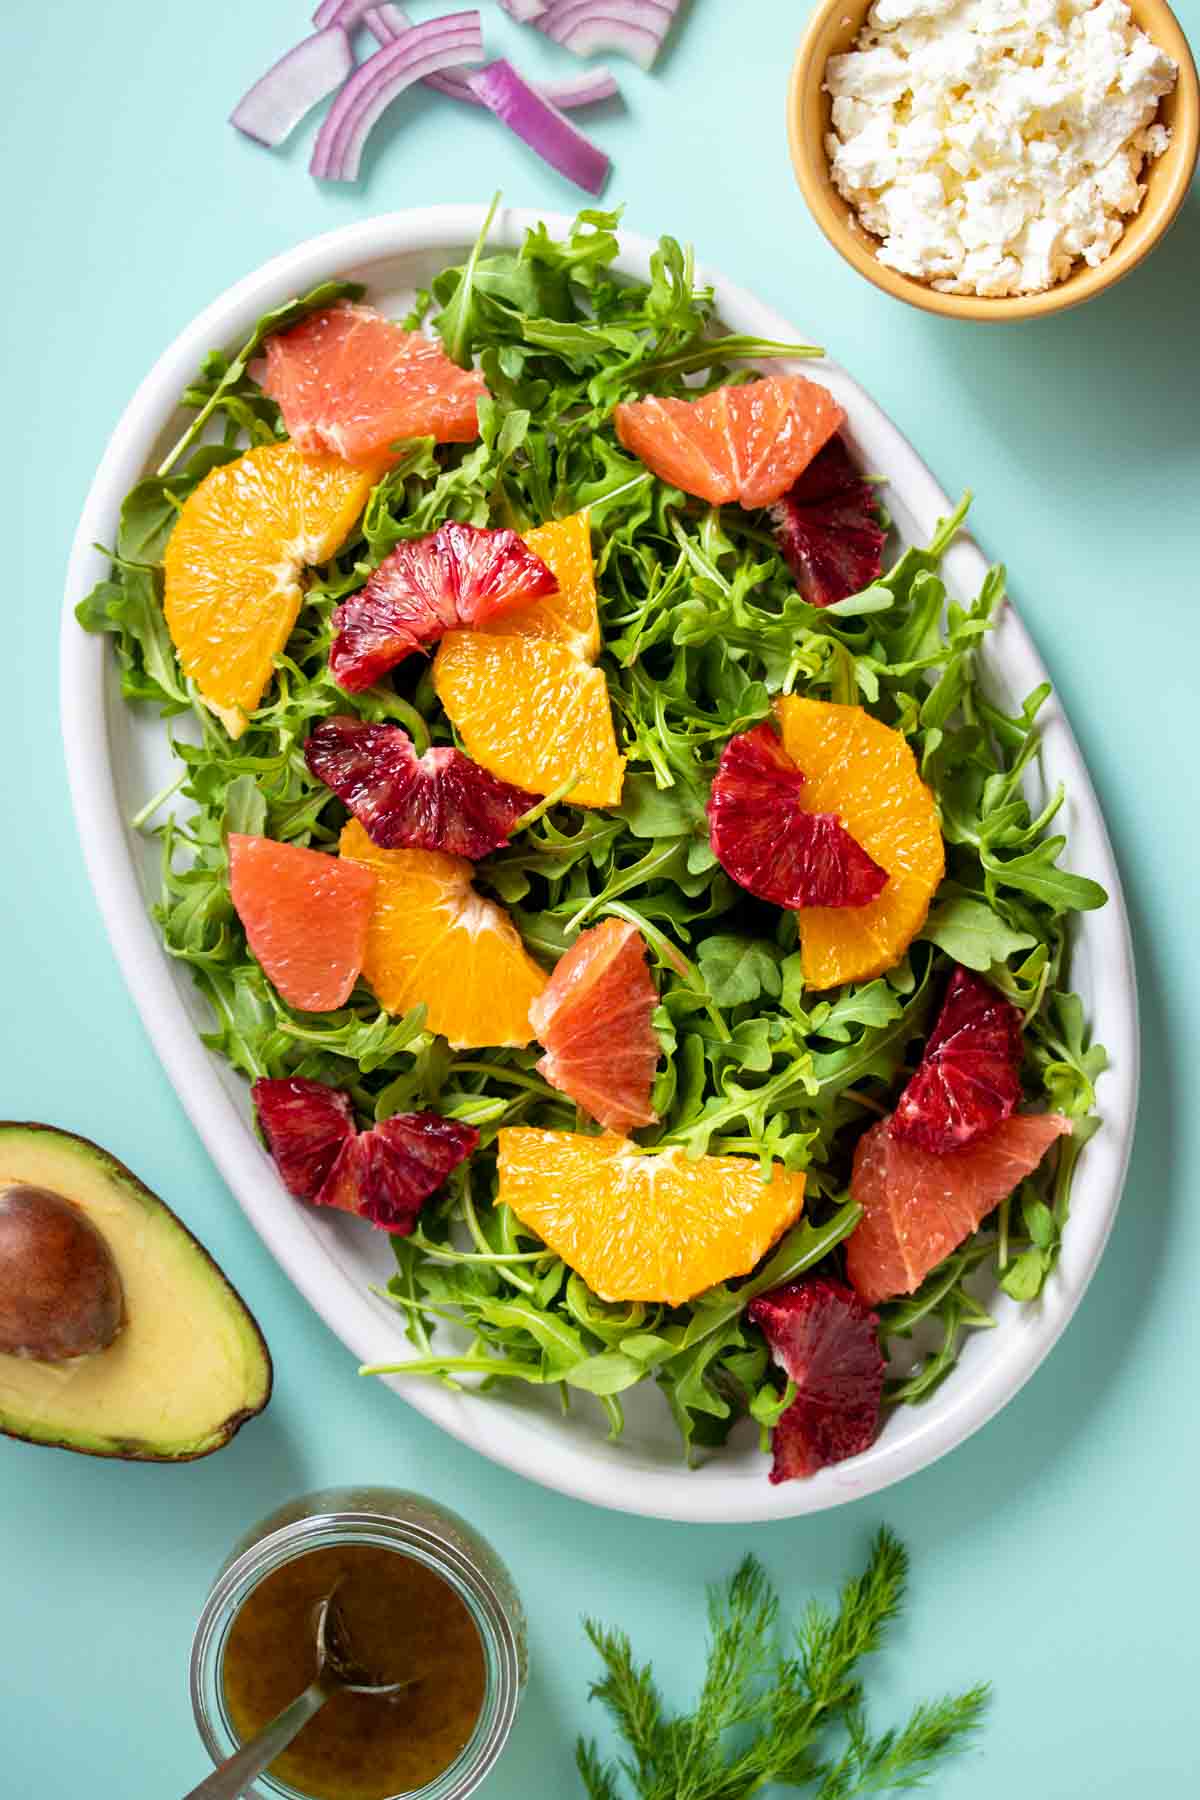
<point>992,143</point>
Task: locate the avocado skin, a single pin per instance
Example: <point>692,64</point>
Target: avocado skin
<point>127,1448</point>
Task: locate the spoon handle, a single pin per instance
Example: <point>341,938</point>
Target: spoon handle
<point>234,1776</point>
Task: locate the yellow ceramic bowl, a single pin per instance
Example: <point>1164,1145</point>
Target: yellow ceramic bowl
<point>833,28</point>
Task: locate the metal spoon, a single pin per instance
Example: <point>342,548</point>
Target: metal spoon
<point>337,1672</point>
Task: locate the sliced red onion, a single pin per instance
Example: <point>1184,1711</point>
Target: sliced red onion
<point>525,11</point>
<point>435,44</point>
<point>541,125</point>
<point>345,13</point>
<point>278,101</point>
<point>634,27</point>
<point>388,22</point>
<point>585,89</point>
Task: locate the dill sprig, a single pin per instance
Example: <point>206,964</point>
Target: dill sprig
<point>769,1715</point>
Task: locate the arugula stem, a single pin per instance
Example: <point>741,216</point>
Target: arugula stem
<point>444,1253</point>
<point>713,352</point>
<point>506,1368</point>
<point>458,338</point>
<point>151,807</point>
<point>544,806</point>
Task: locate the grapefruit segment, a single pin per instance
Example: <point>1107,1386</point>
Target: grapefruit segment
<point>459,575</point>
<point>530,711</point>
<point>594,1020</point>
<point>918,1207</point>
<point>771,843</point>
<point>305,916</point>
<point>234,561</point>
<point>746,443</point>
<point>432,940</point>
<point>643,1226</point>
<point>860,769</point>
<point>969,1077</point>
<point>439,801</point>
<point>349,381</point>
<point>827,1342</point>
<point>827,528</point>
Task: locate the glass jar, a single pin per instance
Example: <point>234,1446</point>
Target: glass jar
<point>389,1519</point>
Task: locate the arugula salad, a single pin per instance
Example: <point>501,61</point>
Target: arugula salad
<point>704,630</point>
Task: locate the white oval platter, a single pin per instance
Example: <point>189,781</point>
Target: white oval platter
<point>117,756</point>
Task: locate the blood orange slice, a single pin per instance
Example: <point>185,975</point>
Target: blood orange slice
<point>918,1207</point>
<point>461,575</point>
<point>305,916</point>
<point>594,1020</point>
<point>859,768</point>
<point>827,527</point>
<point>439,801</point>
<point>746,443</point>
<point>305,1124</point>
<point>772,844</point>
<point>639,1225</point>
<point>827,1342</point>
<point>386,1174</point>
<point>351,381</point>
<point>969,1077</point>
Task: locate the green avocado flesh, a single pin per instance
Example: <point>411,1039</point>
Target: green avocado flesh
<point>189,1365</point>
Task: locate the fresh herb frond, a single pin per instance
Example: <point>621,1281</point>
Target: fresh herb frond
<point>764,1718</point>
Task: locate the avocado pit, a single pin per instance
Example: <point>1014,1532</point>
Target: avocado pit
<point>61,1294</point>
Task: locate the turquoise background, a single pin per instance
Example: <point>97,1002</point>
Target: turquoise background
<point>1056,1551</point>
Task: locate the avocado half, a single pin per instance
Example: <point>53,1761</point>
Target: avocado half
<point>188,1365</point>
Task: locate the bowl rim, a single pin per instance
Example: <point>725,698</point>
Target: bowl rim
<point>304,1245</point>
<point>1157,19</point>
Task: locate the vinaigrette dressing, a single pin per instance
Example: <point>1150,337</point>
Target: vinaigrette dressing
<point>403,1622</point>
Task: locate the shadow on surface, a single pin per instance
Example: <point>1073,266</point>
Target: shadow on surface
<point>1122,363</point>
<point>1094,1366</point>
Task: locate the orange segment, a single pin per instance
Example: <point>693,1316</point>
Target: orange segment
<point>565,546</point>
<point>531,713</point>
<point>432,938</point>
<point>640,1226</point>
<point>234,563</point>
<point>862,770</point>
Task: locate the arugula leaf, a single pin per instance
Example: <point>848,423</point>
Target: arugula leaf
<point>738,969</point>
<point>973,933</point>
